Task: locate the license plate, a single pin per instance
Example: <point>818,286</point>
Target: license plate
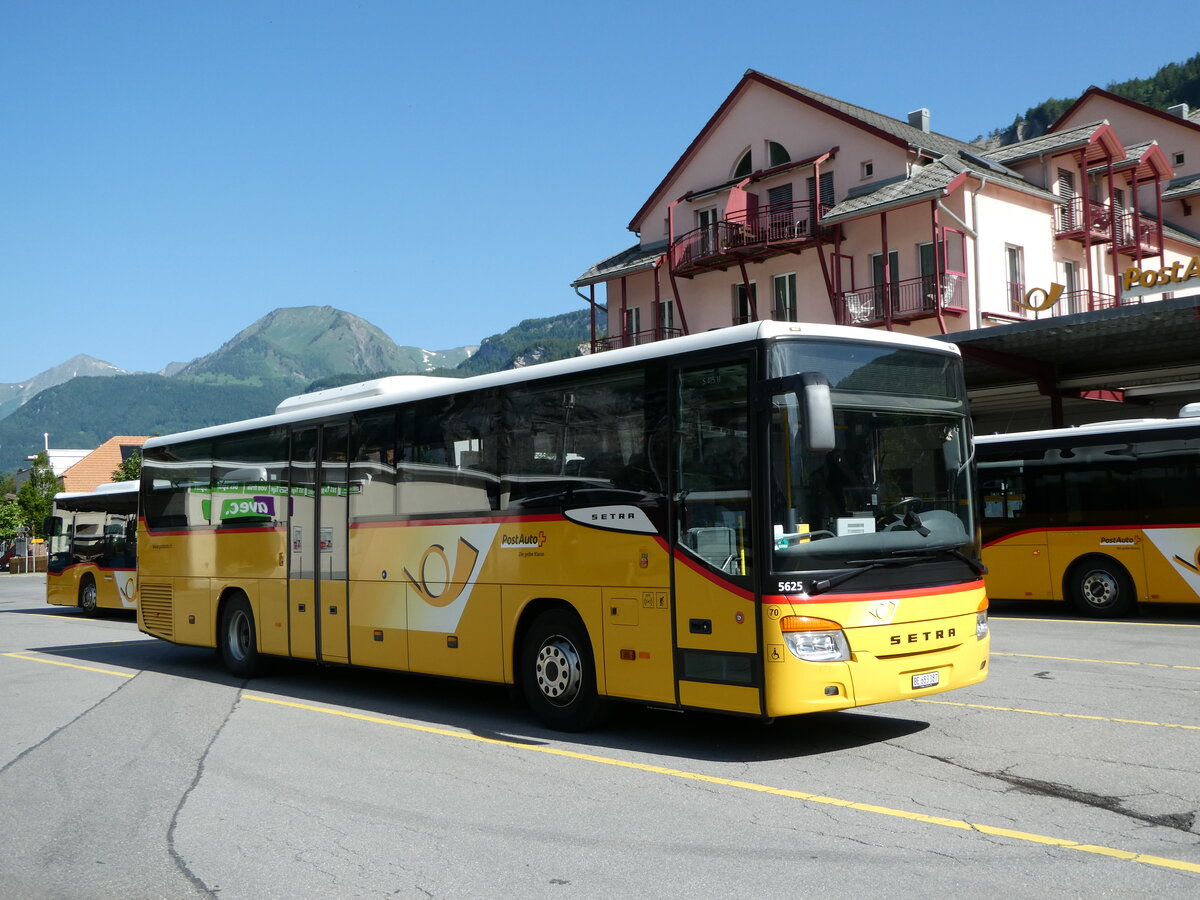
<point>925,679</point>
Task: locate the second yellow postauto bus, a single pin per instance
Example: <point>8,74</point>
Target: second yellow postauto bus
<point>92,554</point>
<point>766,520</point>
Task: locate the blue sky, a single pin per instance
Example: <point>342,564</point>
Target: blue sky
<point>172,171</point>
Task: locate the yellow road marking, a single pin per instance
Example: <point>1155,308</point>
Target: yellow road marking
<point>1061,715</point>
<point>57,662</point>
<point>1147,859</point>
<point>1107,662</point>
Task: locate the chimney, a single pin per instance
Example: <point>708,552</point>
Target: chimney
<point>1180,109</point>
<point>919,118</point>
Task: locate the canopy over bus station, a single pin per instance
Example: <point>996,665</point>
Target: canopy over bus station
<point>1127,362</point>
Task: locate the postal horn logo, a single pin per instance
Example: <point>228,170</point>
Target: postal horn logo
<point>436,581</point>
<point>884,611</point>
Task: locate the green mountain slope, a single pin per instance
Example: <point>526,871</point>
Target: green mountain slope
<point>13,395</point>
<point>303,344</point>
<point>284,353</point>
<point>85,412</point>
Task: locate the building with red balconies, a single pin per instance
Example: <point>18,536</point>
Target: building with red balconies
<point>794,205</point>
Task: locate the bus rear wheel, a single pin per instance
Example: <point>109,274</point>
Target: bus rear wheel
<point>87,596</point>
<point>1101,588</point>
<point>238,639</point>
<point>558,673</point>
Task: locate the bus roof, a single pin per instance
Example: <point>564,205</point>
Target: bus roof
<point>383,391</point>
<point>1098,429</point>
<point>115,496</point>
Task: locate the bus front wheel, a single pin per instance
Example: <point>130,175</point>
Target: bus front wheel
<point>1102,588</point>
<point>238,640</point>
<point>87,596</point>
<point>558,674</point>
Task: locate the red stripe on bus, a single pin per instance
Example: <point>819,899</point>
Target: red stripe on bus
<point>1067,528</point>
<point>716,579</point>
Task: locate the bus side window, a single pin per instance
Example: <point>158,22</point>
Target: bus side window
<point>373,465</point>
<point>1003,491</point>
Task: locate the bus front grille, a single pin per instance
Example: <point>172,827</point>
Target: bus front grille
<point>157,605</point>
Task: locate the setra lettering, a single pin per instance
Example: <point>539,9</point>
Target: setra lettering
<point>917,637</point>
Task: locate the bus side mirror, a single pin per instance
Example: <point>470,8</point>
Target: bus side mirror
<point>817,404</point>
<point>51,526</point>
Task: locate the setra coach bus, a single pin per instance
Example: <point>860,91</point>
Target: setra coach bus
<point>92,554</point>
<point>766,520</point>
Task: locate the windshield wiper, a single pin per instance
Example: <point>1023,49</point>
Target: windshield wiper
<point>863,565</point>
<point>926,554</point>
<point>897,558</point>
<point>820,587</point>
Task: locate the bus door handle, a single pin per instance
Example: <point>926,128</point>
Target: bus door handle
<point>700,626</point>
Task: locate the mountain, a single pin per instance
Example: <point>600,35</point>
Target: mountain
<point>12,396</point>
<point>286,352</point>
<point>531,341</point>
<point>303,344</point>
<point>86,411</point>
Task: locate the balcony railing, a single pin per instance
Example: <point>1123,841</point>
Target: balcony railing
<point>910,298</point>
<point>1080,217</point>
<point>1136,234</point>
<point>632,339</point>
<point>770,230</point>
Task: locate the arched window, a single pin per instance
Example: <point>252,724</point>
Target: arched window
<point>777,154</point>
<point>744,167</point>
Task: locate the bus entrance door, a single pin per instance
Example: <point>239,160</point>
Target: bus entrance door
<point>332,522</point>
<point>717,661</point>
<point>317,620</point>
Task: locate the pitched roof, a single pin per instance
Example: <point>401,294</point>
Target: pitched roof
<point>1054,142</point>
<point>1185,186</point>
<point>635,259</point>
<point>1193,119</point>
<point>97,467</point>
<point>950,158</point>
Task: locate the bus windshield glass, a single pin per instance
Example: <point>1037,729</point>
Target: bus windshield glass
<point>896,488</point>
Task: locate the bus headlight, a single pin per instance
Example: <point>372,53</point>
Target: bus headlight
<point>815,640</point>
<point>981,620</point>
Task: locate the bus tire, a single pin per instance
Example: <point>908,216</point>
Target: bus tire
<point>87,595</point>
<point>1100,587</point>
<point>558,672</point>
<point>238,638</point>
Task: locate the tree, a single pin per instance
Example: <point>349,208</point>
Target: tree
<point>36,495</point>
<point>11,518</point>
<point>130,468</point>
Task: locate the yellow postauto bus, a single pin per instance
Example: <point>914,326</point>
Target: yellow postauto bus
<point>1101,516</point>
<point>767,520</point>
<point>92,555</point>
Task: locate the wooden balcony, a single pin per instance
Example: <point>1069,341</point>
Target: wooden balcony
<point>749,237</point>
<point>902,301</point>
<point>1138,236</point>
<point>1081,219</point>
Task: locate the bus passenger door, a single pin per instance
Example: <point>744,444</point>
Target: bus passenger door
<point>332,522</point>
<point>302,543</point>
<point>716,616</point>
<point>317,620</point>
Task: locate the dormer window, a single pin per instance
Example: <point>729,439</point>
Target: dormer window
<point>777,154</point>
<point>744,167</point>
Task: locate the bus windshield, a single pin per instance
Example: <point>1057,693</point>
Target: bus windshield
<point>896,488</point>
